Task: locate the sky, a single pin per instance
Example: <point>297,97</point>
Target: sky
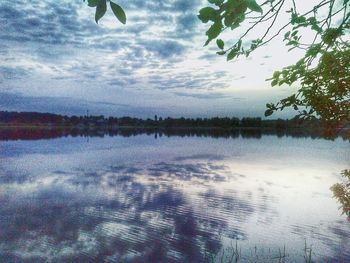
<point>55,58</point>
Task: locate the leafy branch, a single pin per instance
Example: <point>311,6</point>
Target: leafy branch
<point>101,9</point>
<point>323,74</point>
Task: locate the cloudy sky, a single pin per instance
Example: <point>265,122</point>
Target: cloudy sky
<point>55,58</point>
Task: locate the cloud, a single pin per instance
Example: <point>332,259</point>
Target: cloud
<point>57,47</point>
<point>214,95</point>
<point>13,72</point>
<point>202,157</point>
<point>67,106</point>
<point>41,22</point>
<point>187,22</point>
<point>164,49</point>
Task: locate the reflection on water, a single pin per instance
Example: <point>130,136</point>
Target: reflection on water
<point>341,191</point>
<point>170,200</point>
<point>51,133</point>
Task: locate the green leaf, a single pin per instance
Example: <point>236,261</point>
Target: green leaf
<point>268,112</point>
<point>276,74</point>
<point>213,31</point>
<point>317,28</point>
<point>294,33</point>
<point>234,26</point>
<point>92,3</point>
<point>118,12</point>
<point>216,2</point>
<point>229,19</point>
<point>274,82</point>
<point>101,9</point>
<point>331,34</point>
<point>206,14</point>
<point>233,53</point>
<point>220,43</point>
<point>286,35</point>
<point>253,5</point>
<point>240,18</point>
<point>239,44</point>
<point>221,52</point>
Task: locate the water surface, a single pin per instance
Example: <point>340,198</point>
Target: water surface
<point>172,199</point>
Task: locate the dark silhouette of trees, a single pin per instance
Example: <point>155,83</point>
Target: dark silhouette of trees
<point>32,125</point>
<point>251,122</point>
<point>49,120</point>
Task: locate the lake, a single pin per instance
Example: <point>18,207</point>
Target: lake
<point>148,198</point>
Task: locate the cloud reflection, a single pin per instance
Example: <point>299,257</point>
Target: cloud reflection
<point>123,213</point>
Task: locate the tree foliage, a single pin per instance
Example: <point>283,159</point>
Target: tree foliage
<point>341,192</point>
<point>322,74</point>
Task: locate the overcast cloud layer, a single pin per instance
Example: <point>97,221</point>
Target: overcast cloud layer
<point>55,58</point>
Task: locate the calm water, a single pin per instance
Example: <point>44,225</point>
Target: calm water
<point>171,199</point>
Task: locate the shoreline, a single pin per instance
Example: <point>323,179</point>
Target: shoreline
<point>99,127</point>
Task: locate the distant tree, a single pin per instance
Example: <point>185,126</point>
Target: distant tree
<point>251,122</point>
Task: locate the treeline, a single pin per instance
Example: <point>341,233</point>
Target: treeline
<point>39,133</point>
<point>48,119</point>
